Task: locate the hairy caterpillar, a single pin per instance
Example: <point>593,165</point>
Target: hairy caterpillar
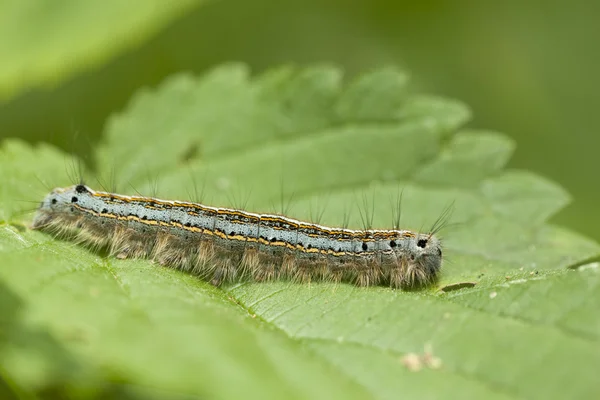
<point>224,245</point>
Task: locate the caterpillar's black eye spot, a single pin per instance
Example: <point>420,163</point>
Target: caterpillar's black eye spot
<point>188,224</point>
<point>439,252</point>
<point>104,211</point>
<point>80,189</point>
<point>309,246</point>
<point>54,201</point>
<point>393,243</point>
<point>422,243</point>
<point>232,233</point>
<point>365,246</point>
<point>144,218</point>
<point>74,199</point>
<point>339,249</point>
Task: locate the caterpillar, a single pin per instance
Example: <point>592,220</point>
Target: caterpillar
<point>226,245</point>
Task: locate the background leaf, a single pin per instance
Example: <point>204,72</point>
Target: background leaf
<point>528,328</point>
<point>42,43</point>
<point>528,74</point>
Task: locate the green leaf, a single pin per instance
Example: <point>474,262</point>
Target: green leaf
<point>42,43</point>
<point>516,315</point>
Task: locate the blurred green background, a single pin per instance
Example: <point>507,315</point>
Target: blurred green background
<point>528,69</point>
